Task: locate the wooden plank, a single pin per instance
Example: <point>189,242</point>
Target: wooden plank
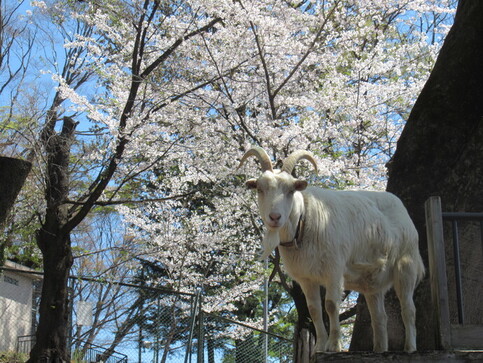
<point>437,271</point>
<point>467,336</point>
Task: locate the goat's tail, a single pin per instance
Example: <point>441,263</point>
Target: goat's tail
<point>409,272</point>
<point>419,265</point>
<point>410,265</point>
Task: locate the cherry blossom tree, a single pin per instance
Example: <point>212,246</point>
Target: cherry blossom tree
<point>340,85</point>
<point>157,101</point>
<point>120,109</point>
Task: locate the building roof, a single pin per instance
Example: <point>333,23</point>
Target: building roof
<point>11,266</point>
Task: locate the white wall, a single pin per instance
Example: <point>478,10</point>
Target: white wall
<point>15,307</point>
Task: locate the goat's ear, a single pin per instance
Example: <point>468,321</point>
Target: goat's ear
<point>251,183</point>
<point>300,185</point>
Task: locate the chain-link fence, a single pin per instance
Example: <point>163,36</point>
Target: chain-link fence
<point>228,341</point>
<point>118,323</point>
<point>143,323</point>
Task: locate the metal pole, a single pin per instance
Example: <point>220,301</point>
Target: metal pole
<point>200,330</point>
<point>70,315</point>
<point>158,331</point>
<point>457,268</point>
<point>481,235</point>
<point>140,343</point>
<point>194,312</point>
<point>265,313</point>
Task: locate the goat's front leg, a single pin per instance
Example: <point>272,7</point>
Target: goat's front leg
<point>314,303</point>
<point>333,296</point>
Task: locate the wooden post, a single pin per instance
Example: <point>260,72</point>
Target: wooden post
<point>437,271</point>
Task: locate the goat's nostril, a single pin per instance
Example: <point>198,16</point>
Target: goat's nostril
<point>275,216</point>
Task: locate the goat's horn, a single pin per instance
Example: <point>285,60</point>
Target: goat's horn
<point>291,160</point>
<point>261,155</point>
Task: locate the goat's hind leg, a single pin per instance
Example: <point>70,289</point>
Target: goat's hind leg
<point>314,303</point>
<point>375,304</point>
<point>404,285</point>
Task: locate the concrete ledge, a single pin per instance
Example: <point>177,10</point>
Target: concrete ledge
<point>419,357</point>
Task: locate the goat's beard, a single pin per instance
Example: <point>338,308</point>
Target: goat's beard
<point>270,241</point>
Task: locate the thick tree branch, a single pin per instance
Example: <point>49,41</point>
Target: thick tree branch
<point>106,175</point>
<point>131,201</point>
<point>277,268</point>
<point>175,45</point>
<point>348,313</point>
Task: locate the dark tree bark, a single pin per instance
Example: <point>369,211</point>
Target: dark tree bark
<point>13,173</point>
<point>304,333</point>
<point>54,242</point>
<point>440,152</point>
<point>304,337</point>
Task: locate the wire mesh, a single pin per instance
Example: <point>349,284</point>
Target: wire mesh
<point>145,324</point>
<point>226,340</point>
<point>117,323</point>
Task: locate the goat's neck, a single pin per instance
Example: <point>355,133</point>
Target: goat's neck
<point>287,232</point>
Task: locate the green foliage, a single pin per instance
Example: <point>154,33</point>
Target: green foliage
<point>13,357</point>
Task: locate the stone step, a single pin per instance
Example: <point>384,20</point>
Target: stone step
<point>417,357</point>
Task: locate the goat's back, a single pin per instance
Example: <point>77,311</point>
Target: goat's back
<point>361,233</point>
<point>333,210</point>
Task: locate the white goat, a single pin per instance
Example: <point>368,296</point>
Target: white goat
<point>354,240</point>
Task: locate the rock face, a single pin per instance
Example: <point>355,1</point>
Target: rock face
<point>13,173</point>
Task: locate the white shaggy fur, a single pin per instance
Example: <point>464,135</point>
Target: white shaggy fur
<point>353,240</point>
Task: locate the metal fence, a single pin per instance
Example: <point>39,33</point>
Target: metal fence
<point>144,323</point>
<point>454,330</point>
<point>455,218</point>
<point>86,352</point>
<point>228,341</point>
<point>117,323</point>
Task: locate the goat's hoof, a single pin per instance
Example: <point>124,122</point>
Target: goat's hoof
<point>380,348</point>
<point>333,346</point>
<point>320,349</point>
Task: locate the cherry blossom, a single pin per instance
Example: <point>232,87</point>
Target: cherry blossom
<point>334,77</point>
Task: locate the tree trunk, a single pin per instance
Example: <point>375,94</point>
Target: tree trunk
<point>13,173</point>
<point>362,332</point>
<point>53,330</point>
<point>440,152</point>
<point>304,334</point>
<point>54,242</point>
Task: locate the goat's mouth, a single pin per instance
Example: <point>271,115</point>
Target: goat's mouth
<point>273,225</point>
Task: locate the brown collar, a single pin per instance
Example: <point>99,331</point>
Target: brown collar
<point>297,240</point>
